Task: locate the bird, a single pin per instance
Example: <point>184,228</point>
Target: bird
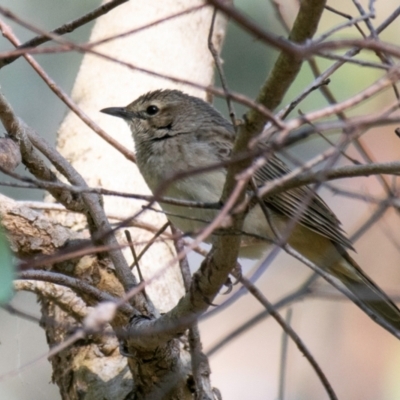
<point>175,132</point>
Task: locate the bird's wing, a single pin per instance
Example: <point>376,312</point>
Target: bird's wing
<point>317,216</point>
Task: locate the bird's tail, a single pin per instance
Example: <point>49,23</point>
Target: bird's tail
<point>333,259</point>
<point>366,294</point>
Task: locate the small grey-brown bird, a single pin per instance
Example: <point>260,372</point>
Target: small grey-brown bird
<point>175,132</point>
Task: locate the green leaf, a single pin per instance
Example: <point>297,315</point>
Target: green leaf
<point>6,269</point>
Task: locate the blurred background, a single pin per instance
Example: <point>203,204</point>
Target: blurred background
<point>360,359</point>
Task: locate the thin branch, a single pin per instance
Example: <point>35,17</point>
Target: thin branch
<point>299,294</point>
<point>287,66</point>
<point>199,361</point>
<point>66,28</point>
<point>247,24</point>
<point>19,132</point>
<point>292,334</point>
<point>21,314</point>
<point>220,70</point>
<point>284,356</point>
<point>289,181</point>
<point>352,21</point>
<point>77,285</point>
<point>66,99</point>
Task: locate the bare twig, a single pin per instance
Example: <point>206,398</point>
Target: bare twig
<point>284,356</point>
<point>302,292</point>
<point>66,28</point>
<point>292,334</point>
<point>66,99</point>
<point>220,70</point>
<point>200,365</point>
<point>77,285</point>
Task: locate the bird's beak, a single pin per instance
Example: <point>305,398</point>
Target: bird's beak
<point>120,112</point>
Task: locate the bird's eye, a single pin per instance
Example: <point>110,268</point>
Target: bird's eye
<point>152,110</point>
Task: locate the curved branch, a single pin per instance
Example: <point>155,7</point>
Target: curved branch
<point>349,171</point>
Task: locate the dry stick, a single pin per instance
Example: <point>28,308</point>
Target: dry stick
<point>384,58</point>
<point>67,28</point>
<point>348,171</point>
<point>292,334</point>
<point>75,251</point>
<point>66,99</point>
<point>134,255</point>
<point>299,294</point>
<point>220,70</point>
<point>136,261</point>
<point>352,124</point>
<point>332,144</point>
<point>352,22</point>
<point>328,72</point>
<point>341,115</point>
<point>77,285</point>
<point>71,26</point>
<point>147,26</point>
<point>370,44</point>
<point>41,205</point>
<point>379,85</point>
<point>200,366</point>
<point>379,212</point>
<point>78,335</point>
<point>287,66</point>
<point>392,237</point>
<point>293,104</point>
<point>159,232</point>
<point>22,314</point>
<point>280,16</point>
<point>18,131</point>
<point>247,24</point>
<point>371,6</point>
<point>351,60</point>
<point>284,356</point>
<point>366,198</point>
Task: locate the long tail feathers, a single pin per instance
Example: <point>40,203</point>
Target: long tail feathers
<point>367,294</point>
